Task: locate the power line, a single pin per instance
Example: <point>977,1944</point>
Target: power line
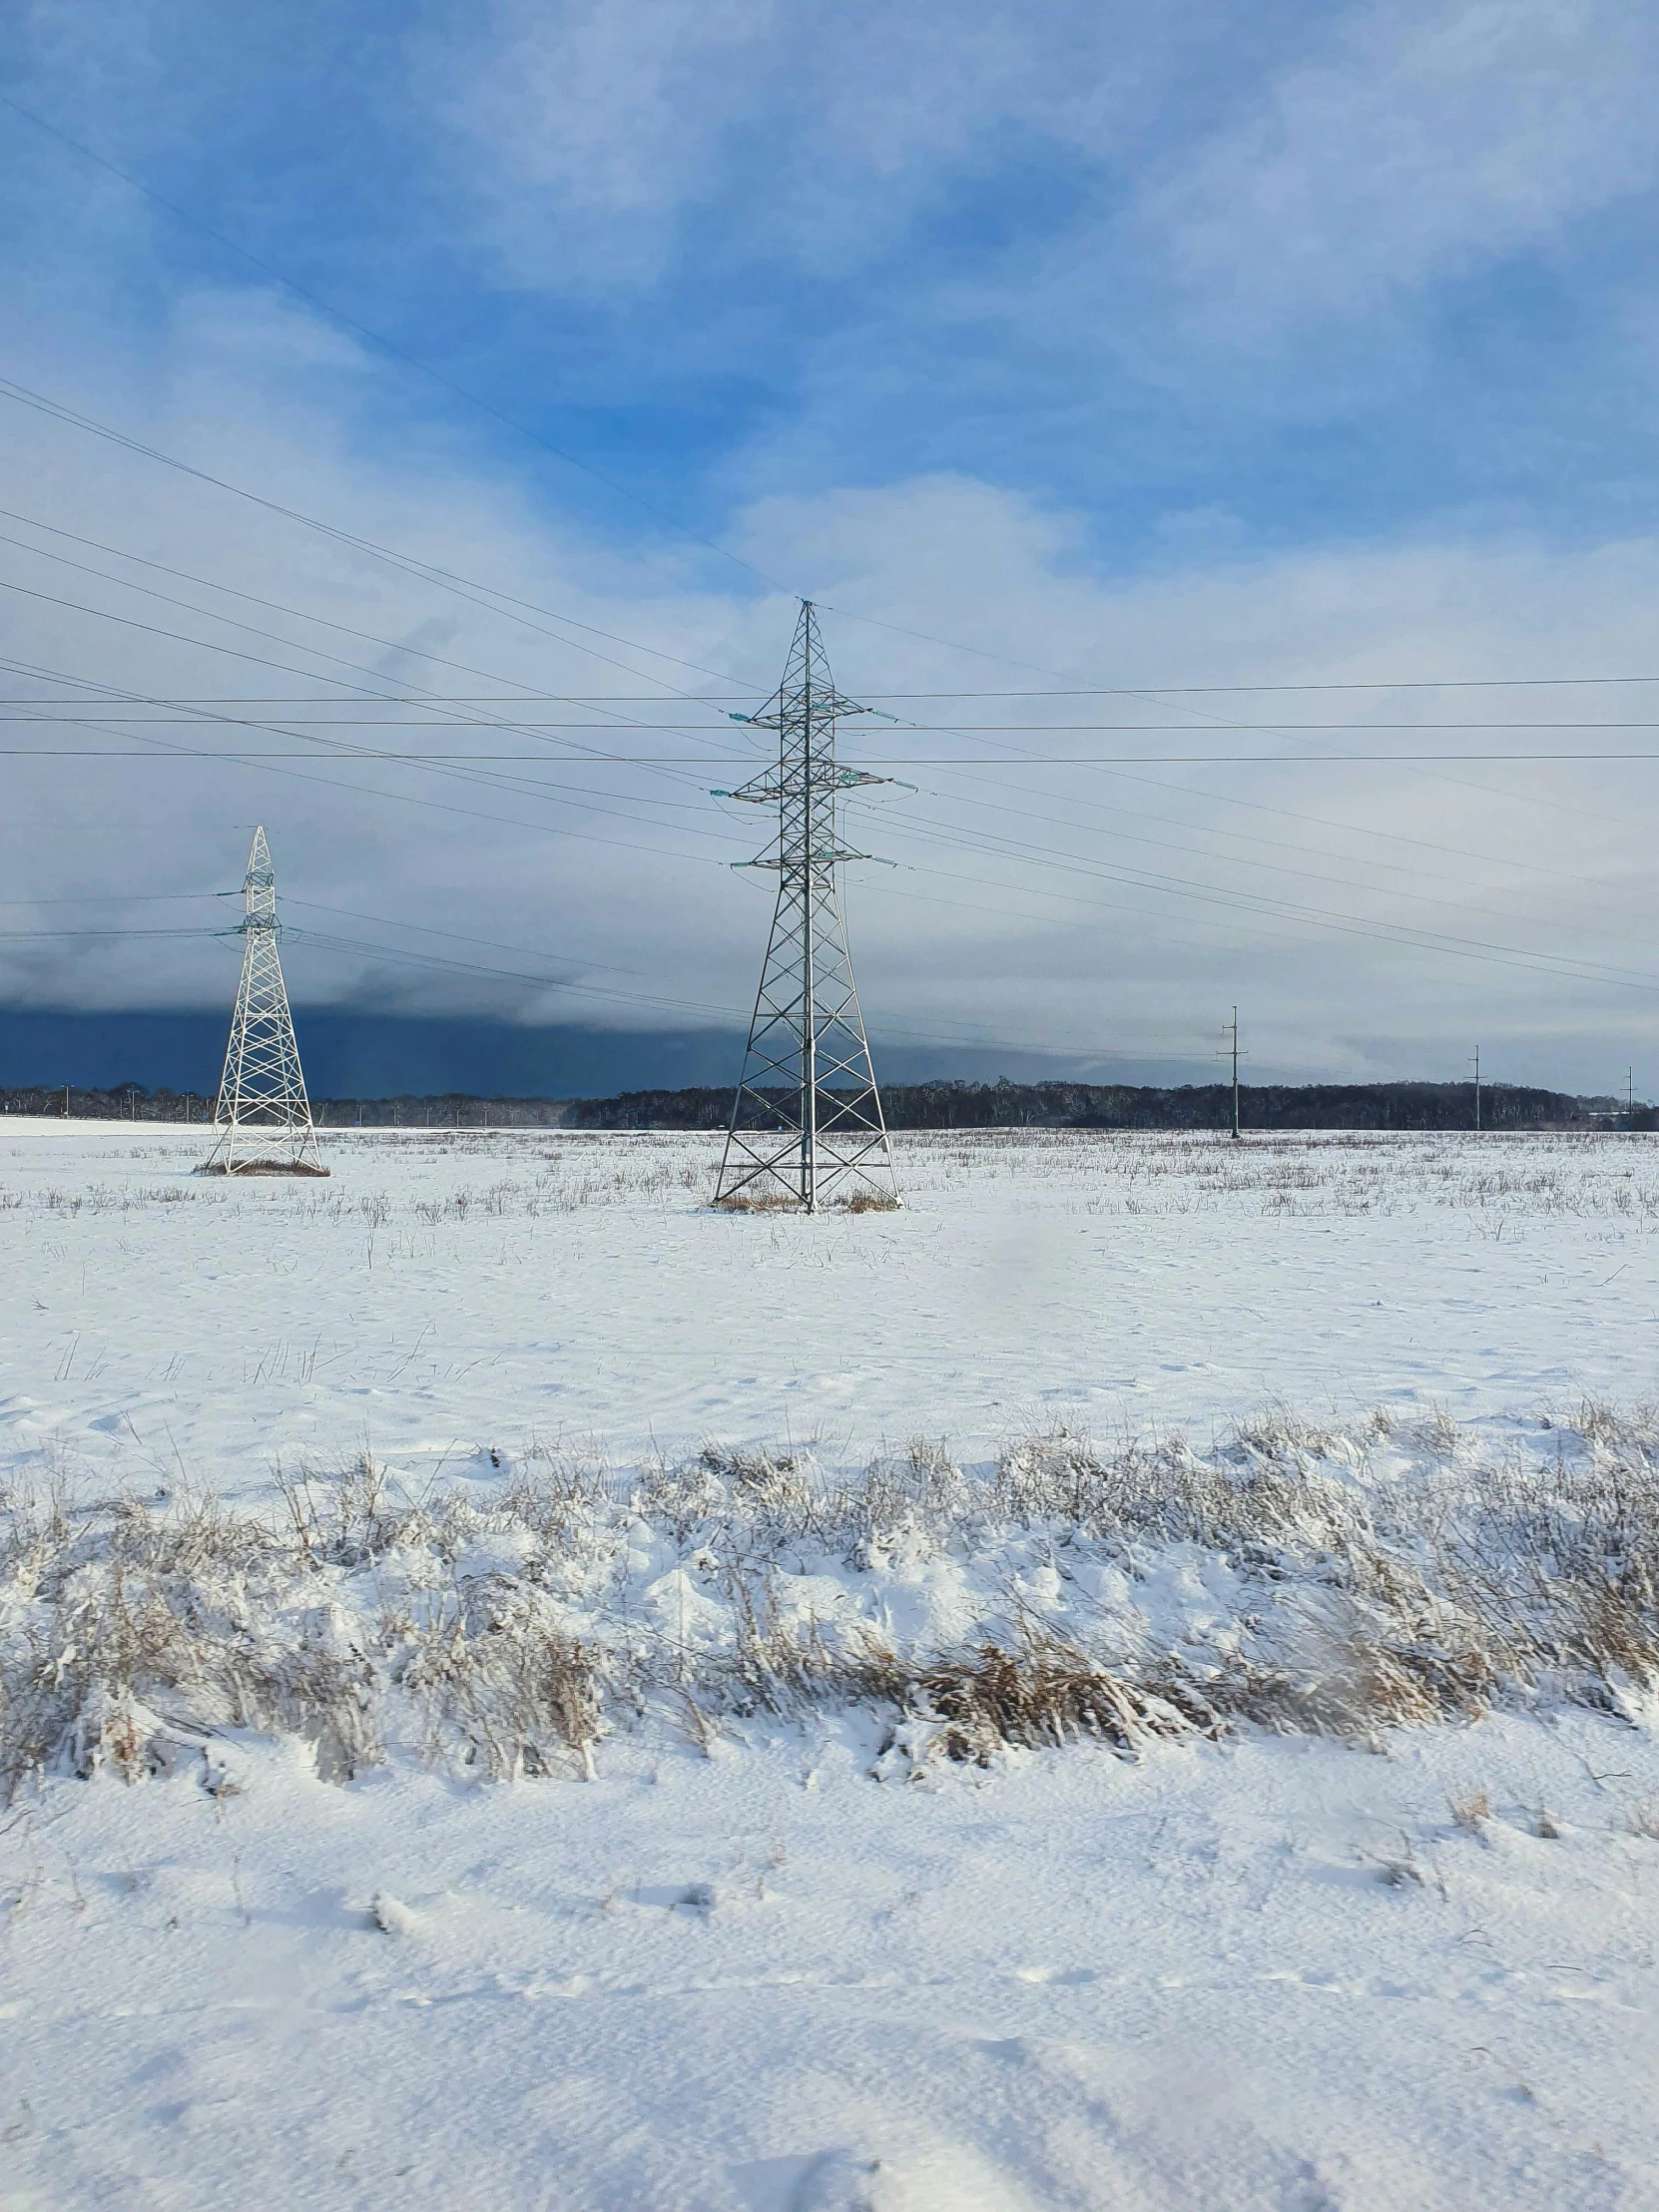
<point>1256,903</point>
<point>676,771</point>
<point>430,761</point>
<point>463,587</point>
<point>399,353</point>
<point>367,637</point>
<point>1124,906</point>
<point>1304,873</point>
<point>210,645</point>
<point>385,344</point>
<point>1152,699</point>
<point>402,798</point>
<point>57,411</point>
<point>317,652</point>
<point>117,933</point>
<point>1019,849</point>
<point>1286,909</point>
<point>897,759</point>
<point>1338,684</point>
<point>721,699</point>
<point>985,653</point>
<point>720,727</point>
<point>431,765</point>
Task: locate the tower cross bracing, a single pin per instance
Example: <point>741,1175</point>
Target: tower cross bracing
<point>263,1117</point>
<point>806,1126</point>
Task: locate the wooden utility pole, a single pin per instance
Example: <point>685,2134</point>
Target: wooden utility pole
<point>1235,1075</point>
<point>1478,1086</point>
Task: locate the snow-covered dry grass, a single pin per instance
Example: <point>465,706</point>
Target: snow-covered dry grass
<point>1129,1682</point>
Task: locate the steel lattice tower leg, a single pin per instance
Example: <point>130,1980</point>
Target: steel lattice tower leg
<point>263,1116</point>
<point>807,1127</point>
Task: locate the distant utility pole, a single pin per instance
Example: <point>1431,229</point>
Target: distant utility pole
<point>263,1118</point>
<point>1230,1042</point>
<point>1478,1086</point>
<point>807,1122</point>
<point>1630,1098</point>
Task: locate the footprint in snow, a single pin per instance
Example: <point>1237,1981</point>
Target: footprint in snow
<point>821,2181</point>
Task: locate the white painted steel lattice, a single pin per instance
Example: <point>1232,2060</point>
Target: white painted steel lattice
<point>807,1128</point>
<point>263,1117</point>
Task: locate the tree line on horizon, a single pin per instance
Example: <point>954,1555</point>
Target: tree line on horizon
<point>941,1105</point>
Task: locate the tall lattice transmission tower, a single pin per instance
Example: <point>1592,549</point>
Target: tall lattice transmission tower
<point>263,1117</point>
<point>807,1127</point>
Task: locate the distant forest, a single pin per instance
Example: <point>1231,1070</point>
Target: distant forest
<point>1263,1106</point>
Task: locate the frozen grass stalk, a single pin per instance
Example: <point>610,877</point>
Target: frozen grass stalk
<point>505,1630</point>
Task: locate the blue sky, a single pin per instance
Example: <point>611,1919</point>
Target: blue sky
<point>1149,347</point>
<point>1315,271</point>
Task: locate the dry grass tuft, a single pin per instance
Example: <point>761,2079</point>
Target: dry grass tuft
<point>265,1167</point>
<point>1047,1692</point>
<point>1470,1810</point>
<point>1295,1575</point>
<point>505,1688</point>
<point>861,1201</point>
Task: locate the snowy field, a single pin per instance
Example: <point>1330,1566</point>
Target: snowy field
<point>1127,1683</point>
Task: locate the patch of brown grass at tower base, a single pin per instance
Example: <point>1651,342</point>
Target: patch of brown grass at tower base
<point>265,1167</point>
<point>861,1202</point>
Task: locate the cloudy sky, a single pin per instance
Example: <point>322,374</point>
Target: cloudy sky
<point>1204,429</point>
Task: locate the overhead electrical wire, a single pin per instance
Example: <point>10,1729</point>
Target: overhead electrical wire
<point>423,367</point>
<point>407,799</point>
<point>385,344</point>
<point>315,652</point>
<point>87,423</point>
<point>1420,944</point>
<point>359,751</point>
<point>1113,872</point>
<point>214,615</point>
<point>1283,910</point>
<point>1159,759</point>
<point>11,390</point>
<point>435,765</point>
<point>400,956</point>
<point>1103,691</point>
<point>886,761</point>
<point>1322,917</point>
<point>467,588</point>
<point>1112,814</point>
<point>722,698</point>
<point>210,614</point>
<point>367,637</point>
<point>1304,873</point>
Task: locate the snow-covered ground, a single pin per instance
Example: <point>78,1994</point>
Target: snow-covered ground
<point>491,1395</point>
<point>444,1294</point>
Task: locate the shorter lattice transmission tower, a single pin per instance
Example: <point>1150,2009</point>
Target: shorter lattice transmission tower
<point>263,1117</point>
<point>807,1128</point>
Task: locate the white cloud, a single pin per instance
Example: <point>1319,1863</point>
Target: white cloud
<point>1273,177</point>
<point>616,104</point>
<point>589,131</point>
<point>1424,137</point>
<point>966,939</point>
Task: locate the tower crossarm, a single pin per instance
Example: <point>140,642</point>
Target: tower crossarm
<point>771,786</point>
